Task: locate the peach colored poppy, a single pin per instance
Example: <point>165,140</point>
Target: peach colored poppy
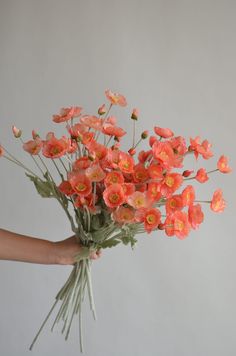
<point>66,188</point>
<point>138,200</point>
<point>195,215</point>
<point>165,133</point>
<point>81,163</point>
<point>140,174</point>
<point>205,149</point>
<point>93,122</point>
<point>163,153</point>
<point>170,184</point>
<point>77,130</point>
<point>1,151</point>
<point>111,120</point>
<point>97,148</point>
<point>174,203</point>
<point>114,195</point>
<point>126,163</point>
<point>114,177</point>
<point>33,147</point>
<point>72,146</point>
<point>115,98</point>
<point>222,165</point>
<point>123,215</point>
<point>201,176</point>
<point>55,148</point>
<point>188,195</point>
<point>112,130</point>
<point>95,173</point>
<point>179,145</point>
<point>218,203</point>
<point>67,114</point>
<point>81,184</point>
<point>16,132</point>
<point>150,217</point>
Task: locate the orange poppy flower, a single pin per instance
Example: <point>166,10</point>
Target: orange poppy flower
<point>165,133</point>
<point>153,191</point>
<point>201,176</point>
<point>81,184</point>
<point>188,195</point>
<point>150,217</point>
<point>126,163</point>
<point>67,114</point>
<point>114,195</point>
<point>66,188</point>
<point>218,203</point>
<point>174,203</point>
<point>171,183</point>
<point>140,174</point>
<point>222,165</point>
<point>177,224</point>
<point>163,153</point>
<point>115,98</point>
<point>114,177</point>
<point>53,147</point>
<point>195,215</point>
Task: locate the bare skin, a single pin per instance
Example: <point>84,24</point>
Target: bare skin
<point>16,247</point>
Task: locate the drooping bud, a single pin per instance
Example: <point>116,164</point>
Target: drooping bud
<point>16,132</point>
<point>144,134</point>
<point>102,110</point>
<point>1,151</point>
<point>135,114</point>
<point>187,173</point>
<point>132,151</point>
<point>161,226</point>
<point>35,134</point>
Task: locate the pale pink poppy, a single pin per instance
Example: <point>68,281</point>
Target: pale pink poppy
<point>33,147</point>
<point>95,173</point>
<point>123,215</point>
<point>67,114</point>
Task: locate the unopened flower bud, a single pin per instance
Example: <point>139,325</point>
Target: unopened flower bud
<point>135,114</point>
<point>187,173</point>
<point>35,134</point>
<point>102,110</point>
<point>1,151</point>
<point>132,151</point>
<point>144,134</point>
<point>16,132</point>
<point>92,156</point>
<point>161,226</point>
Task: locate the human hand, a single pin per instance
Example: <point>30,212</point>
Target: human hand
<point>66,250</point>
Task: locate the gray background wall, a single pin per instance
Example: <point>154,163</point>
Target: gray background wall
<point>175,60</point>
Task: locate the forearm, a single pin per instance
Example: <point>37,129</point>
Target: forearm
<point>22,248</point>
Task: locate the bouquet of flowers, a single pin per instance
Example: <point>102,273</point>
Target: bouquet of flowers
<point>111,195</point>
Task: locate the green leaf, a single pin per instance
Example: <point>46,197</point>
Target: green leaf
<point>126,239</point>
<point>109,243</point>
<point>44,188</point>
